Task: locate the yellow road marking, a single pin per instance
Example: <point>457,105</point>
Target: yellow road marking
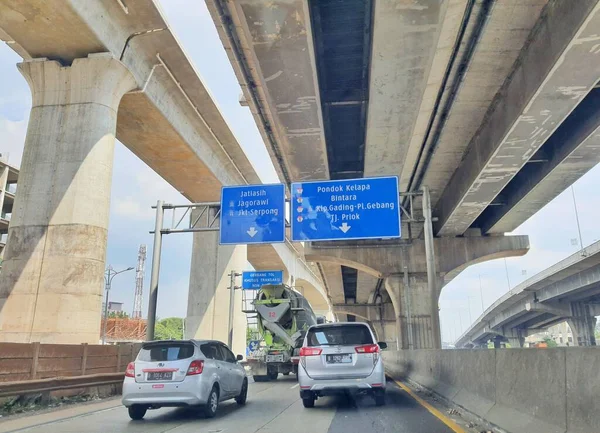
<point>439,415</point>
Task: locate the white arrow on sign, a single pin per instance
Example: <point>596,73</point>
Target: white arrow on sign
<point>345,227</point>
<point>252,232</point>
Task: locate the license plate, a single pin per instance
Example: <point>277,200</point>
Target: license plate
<point>160,375</point>
<point>339,359</point>
<point>274,358</point>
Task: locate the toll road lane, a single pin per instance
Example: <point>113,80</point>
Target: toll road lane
<point>272,407</point>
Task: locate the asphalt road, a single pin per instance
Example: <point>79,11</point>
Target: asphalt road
<point>271,407</point>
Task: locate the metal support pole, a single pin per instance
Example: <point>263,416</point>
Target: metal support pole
<point>232,288</point>
<point>107,287</point>
<point>407,303</point>
<point>431,271</point>
<point>155,271</point>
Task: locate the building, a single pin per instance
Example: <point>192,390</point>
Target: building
<point>561,334</point>
<point>8,188</point>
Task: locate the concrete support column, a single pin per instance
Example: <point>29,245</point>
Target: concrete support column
<point>583,324</point>
<point>208,297</point>
<point>516,338</point>
<point>53,272</point>
<point>416,310</point>
<point>516,342</point>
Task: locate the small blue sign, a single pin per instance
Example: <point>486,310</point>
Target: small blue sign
<point>367,208</point>
<point>252,214</point>
<point>256,279</point>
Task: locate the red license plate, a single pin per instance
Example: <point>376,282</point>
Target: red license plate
<point>158,386</point>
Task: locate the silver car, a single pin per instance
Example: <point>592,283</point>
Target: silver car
<point>183,373</point>
<point>340,357</point>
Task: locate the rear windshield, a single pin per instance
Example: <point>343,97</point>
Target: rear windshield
<point>165,352</point>
<point>343,335</point>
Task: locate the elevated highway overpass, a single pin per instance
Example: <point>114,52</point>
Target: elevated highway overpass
<point>100,70</point>
<point>567,291</point>
<point>490,105</point>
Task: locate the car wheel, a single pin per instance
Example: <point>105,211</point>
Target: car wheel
<point>210,410</point>
<point>241,399</point>
<point>136,412</point>
<point>379,397</point>
<point>308,401</point>
<point>261,378</point>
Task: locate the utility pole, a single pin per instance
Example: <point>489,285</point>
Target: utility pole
<point>232,288</point>
<point>507,279</point>
<point>109,274</point>
<point>577,219</point>
<point>481,295</point>
<point>155,271</point>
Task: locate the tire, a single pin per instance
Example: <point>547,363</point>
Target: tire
<point>136,412</point>
<point>308,402</point>
<point>379,397</point>
<point>273,375</point>
<point>210,409</point>
<point>287,373</point>
<point>261,378</point>
<point>241,399</point>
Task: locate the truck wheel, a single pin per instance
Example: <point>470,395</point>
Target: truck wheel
<point>273,375</point>
<point>287,373</point>
<point>261,378</point>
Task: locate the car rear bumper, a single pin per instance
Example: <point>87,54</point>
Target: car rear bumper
<point>169,394</point>
<point>376,380</point>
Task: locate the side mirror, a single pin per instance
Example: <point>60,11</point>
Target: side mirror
<point>239,358</point>
<point>382,345</point>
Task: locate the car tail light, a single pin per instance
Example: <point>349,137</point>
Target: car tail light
<point>130,370</point>
<point>195,368</point>
<point>310,351</point>
<point>370,348</point>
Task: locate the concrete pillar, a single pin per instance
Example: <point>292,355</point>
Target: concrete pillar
<point>417,312</point>
<point>53,272</point>
<point>208,298</point>
<point>583,325</point>
<point>516,338</point>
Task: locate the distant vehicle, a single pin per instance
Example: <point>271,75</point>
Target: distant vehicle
<point>177,373</point>
<point>341,356</point>
<point>283,316</point>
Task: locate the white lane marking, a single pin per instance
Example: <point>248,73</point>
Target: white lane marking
<point>295,386</point>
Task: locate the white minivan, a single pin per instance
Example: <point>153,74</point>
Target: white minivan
<point>341,356</point>
<point>183,373</point>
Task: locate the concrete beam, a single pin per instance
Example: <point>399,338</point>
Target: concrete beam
<point>270,46</point>
<point>452,254</point>
<point>402,71</point>
<point>547,83</point>
<point>569,153</point>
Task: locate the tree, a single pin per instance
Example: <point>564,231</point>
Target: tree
<point>118,315</point>
<point>550,342</point>
<point>169,329</point>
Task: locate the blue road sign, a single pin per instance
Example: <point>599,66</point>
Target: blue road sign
<point>257,279</point>
<point>366,208</point>
<point>252,214</point>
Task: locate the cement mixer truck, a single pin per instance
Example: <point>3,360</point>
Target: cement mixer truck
<point>282,317</point>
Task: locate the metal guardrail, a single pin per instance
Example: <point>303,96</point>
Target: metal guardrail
<point>8,389</point>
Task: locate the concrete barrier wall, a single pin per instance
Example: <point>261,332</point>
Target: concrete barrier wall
<point>519,390</point>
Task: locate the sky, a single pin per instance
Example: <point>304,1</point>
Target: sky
<point>136,188</point>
